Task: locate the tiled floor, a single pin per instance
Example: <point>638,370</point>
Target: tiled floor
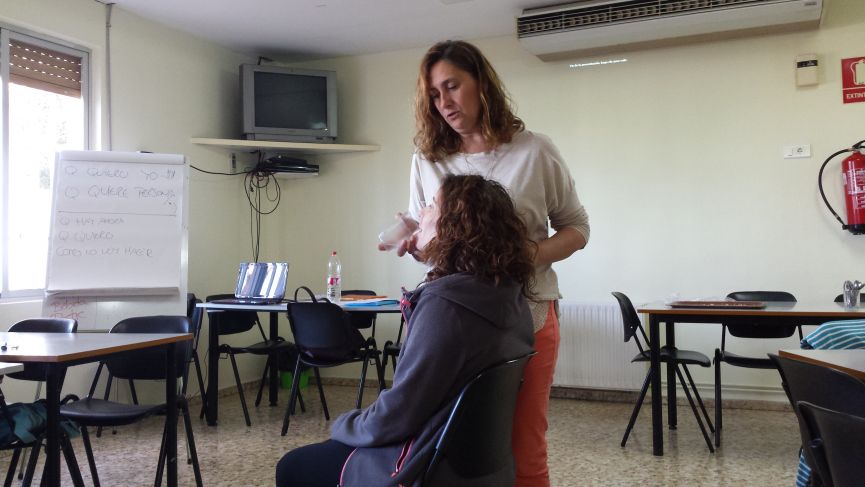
<point>760,447</point>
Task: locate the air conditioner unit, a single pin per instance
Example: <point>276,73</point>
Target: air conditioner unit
<point>603,26</point>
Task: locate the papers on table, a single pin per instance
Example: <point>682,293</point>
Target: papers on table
<point>376,301</point>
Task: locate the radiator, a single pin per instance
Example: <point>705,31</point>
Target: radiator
<point>592,351</point>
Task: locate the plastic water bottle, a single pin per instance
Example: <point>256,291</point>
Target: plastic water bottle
<point>334,282</point>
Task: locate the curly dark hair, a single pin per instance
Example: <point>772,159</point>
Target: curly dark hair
<point>479,232</point>
<point>435,139</point>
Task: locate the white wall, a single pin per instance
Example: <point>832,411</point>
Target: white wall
<point>166,88</point>
<point>676,154</point>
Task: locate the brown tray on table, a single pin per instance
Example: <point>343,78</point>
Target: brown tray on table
<point>719,304</point>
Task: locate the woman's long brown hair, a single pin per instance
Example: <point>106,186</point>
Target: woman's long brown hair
<point>479,232</point>
<point>435,139</point>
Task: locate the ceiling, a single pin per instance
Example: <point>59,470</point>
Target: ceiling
<point>304,29</point>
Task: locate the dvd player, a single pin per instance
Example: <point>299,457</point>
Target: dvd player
<point>282,163</point>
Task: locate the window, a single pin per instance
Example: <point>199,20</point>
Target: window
<point>43,94</point>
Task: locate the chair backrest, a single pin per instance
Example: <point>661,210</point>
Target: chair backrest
<point>195,315</point>
<point>149,364</point>
<point>36,372</point>
<point>835,444</point>
<point>476,440</point>
<point>630,320</point>
<point>754,330</point>
<point>323,330</point>
<point>821,386</point>
<point>361,320</point>
<point>45,325</point>
<point>232,322</point>
<point>190,304</point>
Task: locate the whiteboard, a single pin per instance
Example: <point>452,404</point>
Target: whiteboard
<point>117,224</point>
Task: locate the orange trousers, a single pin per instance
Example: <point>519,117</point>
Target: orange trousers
<point>529,441</point>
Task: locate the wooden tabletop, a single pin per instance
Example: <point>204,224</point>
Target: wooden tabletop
<point>849,361</point>
<point>67,347</point>
<point>773,308</point>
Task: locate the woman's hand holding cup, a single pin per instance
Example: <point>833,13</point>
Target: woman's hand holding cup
<point>400,235</point>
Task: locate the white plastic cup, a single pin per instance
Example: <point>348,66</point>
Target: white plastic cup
<point>392,236</point>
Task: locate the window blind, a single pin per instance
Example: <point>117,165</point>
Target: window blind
<point>44,69</point>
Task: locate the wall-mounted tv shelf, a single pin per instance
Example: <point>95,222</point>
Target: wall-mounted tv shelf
<point>288,147</point>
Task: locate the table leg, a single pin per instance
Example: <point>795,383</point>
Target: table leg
<point>211,404</point>
<point>671,378</point>
<point>274,366</point>
<point>655,359</point>
<point>52,437</point>
<point>171,415</point>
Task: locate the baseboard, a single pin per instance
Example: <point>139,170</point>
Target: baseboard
<point>606,395</point>
<point>579,393</point>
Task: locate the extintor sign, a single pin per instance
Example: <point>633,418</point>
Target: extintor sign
<point>853,79</point>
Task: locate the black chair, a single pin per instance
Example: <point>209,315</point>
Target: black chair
<point>234,322</point>
<point>475,444</point>
<point>821,386</point>
<point>749,331</point>
<point>138,365</point>
<point>835,442</point>
<point>195,315</point>
<point>36,372</point>
<point>325,337</point>
<point>679,358</point>
<point>391,349</point>
<point>362,320</point>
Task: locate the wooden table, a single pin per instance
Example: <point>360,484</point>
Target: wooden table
<point>57,351</point>
<point>211,403</point>
<point>849,361</point>
<point>775,313</point>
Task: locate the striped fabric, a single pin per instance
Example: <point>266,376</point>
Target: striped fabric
<point>837,335</point>
<point>834,335</point>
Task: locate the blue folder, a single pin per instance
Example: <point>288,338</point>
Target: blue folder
<point>381,302</point>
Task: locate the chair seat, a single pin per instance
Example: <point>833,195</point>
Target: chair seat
<point>98,412</point>
<point>742,361</point>
<point>266,347</point>
<point>687,357</point>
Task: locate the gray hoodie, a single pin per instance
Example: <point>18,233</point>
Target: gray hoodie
<point>457,326</point>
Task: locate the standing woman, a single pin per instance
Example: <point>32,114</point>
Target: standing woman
<point>465,125</point>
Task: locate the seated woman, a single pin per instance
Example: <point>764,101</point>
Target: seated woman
<point>469,314</point>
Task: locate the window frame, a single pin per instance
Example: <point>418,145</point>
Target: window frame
<point>10,32</point>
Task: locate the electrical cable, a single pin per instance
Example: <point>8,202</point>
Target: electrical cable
<point>221,173</point>
<point>257,181</point>
<point>108,134</point>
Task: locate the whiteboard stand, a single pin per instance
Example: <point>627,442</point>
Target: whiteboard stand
<point>118,241</point>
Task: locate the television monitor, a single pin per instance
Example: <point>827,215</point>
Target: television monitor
<point>288,104</point>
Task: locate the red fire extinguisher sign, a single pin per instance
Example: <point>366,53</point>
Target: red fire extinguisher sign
<point>853,79</point>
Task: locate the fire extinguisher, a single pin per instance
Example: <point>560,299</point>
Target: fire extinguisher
<point>853,171</point>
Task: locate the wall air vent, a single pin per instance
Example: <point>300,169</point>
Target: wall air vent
<point>603,26</point>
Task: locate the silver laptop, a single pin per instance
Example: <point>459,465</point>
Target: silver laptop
<point>259,283</point>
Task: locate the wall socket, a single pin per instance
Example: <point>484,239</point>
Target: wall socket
<point>796,151</point>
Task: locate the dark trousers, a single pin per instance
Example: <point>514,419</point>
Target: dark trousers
<point>316,465</point>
